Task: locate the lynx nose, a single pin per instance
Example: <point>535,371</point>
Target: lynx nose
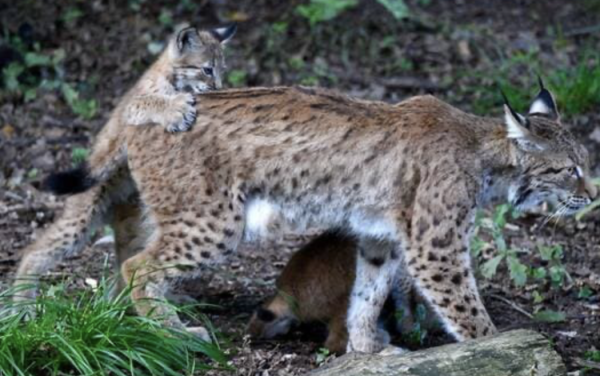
<point>590,189</point>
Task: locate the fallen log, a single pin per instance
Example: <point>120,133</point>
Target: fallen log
<point>514,353</point>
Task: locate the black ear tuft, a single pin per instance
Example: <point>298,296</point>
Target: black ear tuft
<point>265,315</point>
<point>544,103</point>
<point>69,182</point>
<point>224,34</point>
<point>514,114</point>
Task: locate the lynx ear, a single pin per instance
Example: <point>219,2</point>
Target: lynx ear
<point>516,124</point>
<point>224,34</point>
<point>188,39</point>
<point>517,128</point>
<point>544,102</point>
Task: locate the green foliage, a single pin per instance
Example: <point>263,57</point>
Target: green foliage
<point>397,8</point>
<point>554,272</point>
<point>71,15</point>
<point>85,108</point>
<point>585,293</point>
<point>79,155</point>
<point>418,333</point>
<point>237,78</point>
<point>317,11</point>
<point>322,355</point>
<point>576,88</point>
<point>33,173</point>
<point>549,316</point>
<point>593,355</point>
<point>43,71</point>
<point>495,227</point>
<point>91,333</point>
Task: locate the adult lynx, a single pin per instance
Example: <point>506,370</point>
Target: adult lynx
<point>404,179</point>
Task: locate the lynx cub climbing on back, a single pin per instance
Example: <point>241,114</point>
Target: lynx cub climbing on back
<point>192,63</point>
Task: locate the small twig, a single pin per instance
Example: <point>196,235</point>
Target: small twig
<point>513,305</point>
<point>583,30</point>
<point>587,363</point>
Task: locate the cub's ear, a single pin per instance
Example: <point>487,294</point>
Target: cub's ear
<point>224,34</point>
<point>265,315</point>
<point>188,39</point>
<point>544,103</point>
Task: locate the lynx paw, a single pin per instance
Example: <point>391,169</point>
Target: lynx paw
<point>186,116</point>
<point>393,350</point>
<point>200,332</point>
<point>365,345</point>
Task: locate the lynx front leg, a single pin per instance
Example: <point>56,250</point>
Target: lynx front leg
<point>376,266</point>
<point>440,263</point>
<point>177,113</point>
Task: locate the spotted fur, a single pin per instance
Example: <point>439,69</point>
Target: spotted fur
<point>404,179</point>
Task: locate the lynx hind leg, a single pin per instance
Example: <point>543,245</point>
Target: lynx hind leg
<point>376,266</point>
<point>65,237</point>
<point>130,236</point>
<point>439,261</point>
<point>189,239</point>
<point>177,113</point>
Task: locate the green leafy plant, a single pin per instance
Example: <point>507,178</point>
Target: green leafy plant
<point>556,270</point>
<point>549,316</point>
<point>576,88</point>
<point>91,333</point>
<point>593,355</point>
<point>237,78</point>
<point>553,270</point>
<point>397,8</point>
<point>322,355</point>
<point>585,293</point>
<point>495,227</point>
<point>317,11</point>
<point>43,70</point>
<point>79,155</point>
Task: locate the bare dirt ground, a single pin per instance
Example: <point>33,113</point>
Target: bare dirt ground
<point>449,48</point>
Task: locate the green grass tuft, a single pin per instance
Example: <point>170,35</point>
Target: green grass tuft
<point>92,333</point>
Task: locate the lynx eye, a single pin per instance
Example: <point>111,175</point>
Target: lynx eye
<point>576,172</point>
<point>208,71</point>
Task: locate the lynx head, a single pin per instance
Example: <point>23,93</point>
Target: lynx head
<point>272,319</point>
<point>196,58</point>
<point>553,166</point>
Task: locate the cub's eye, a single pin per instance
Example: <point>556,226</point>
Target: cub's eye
<point>208,71</point>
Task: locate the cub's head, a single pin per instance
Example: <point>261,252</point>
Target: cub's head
<point>273,318</point>
<point>196,58</point>
<point>554,166</point>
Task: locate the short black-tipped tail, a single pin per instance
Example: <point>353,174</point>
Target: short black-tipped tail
<point>73,181</point>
